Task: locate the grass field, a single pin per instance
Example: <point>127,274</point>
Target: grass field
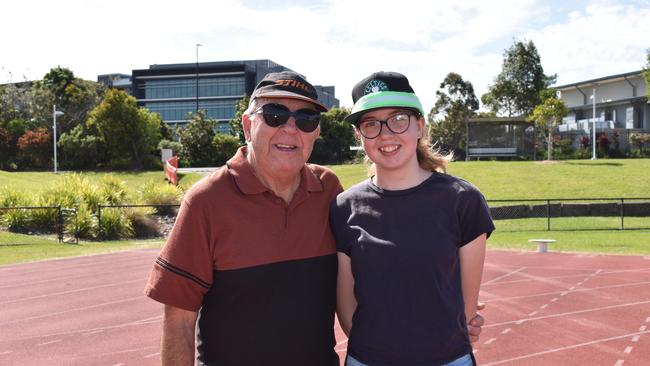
<point>18,248</point>
<point>604,178</point>
<point>496,179</point>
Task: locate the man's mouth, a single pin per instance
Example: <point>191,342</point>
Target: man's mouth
<point>284,147</point>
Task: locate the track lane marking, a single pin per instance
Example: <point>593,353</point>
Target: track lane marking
<point>50,342</point>
<point>569,313</point>
<point>504,276</point>
<point>70,291</point>
<point>559,349</point>
<point>587,289</point>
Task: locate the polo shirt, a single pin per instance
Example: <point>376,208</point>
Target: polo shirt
<point>261,272</point>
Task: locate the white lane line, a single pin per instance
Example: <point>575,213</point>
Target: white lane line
<point>554,299</point>
<point>119,364</point>
<point>152,355</point>
<point>636,338</point>
<point>647,320</point>
<point>563,293</point>
<point>619,363</point>
<point>533,313</point>
<point>642,328</point>
<point>543,306</point>
<point>50,342</point>
<point>557,350</point>
<point>93,332</point>
<point>73,310</point>
<point>489,341</point>
<point>582,290</point>
<point>586,279</point>
<point>570,313</point>
<point>506,331</point>
<point>579,284</point>
<point>70,291</point>
<point>5,353</point>
<point>572,288</point>
<point>519,322</point>
<point>628,350</point>
<point>504,276</point>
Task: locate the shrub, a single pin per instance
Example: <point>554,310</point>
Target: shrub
<point>225,147</point>
<point>115,225</point>
<point>19,221</point>
<point>112,190</point>
<point>35,147</point>
<point>85,224</point>
<point>153,193</point>
<point>10,197</point>
<point>143,225</point>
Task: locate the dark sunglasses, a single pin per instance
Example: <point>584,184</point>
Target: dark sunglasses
<point>275,115</point>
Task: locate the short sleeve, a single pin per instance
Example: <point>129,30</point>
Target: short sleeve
<point>339,215</point>
<point>183,272</point>
<point>473,215</point>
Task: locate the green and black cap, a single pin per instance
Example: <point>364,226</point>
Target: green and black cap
<point>383,90</point>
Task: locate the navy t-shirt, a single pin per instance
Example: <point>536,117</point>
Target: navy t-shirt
<point>404,247</point>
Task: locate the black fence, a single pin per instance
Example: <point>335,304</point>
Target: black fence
<point>60,220</point>
<point>571,214</point>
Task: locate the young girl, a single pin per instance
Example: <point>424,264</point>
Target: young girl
<point>411,239</point>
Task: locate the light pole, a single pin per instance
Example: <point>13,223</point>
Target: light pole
<point>197,76</point>
<point>55,113</point>
<point>593,147</point>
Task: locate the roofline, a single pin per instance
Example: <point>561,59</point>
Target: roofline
<point>595,81</point>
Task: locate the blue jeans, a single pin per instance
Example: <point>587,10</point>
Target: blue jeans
<point>463,361</point>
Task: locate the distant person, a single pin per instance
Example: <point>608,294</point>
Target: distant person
<point>411,239</point>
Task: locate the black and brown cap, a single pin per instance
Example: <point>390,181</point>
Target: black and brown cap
<point>383,90</point>
<point>287,84</point>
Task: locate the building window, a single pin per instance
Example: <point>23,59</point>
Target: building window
<point>186,88</point>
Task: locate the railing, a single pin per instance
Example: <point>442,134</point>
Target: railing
<point>571,214</point>
<point>58,220</point>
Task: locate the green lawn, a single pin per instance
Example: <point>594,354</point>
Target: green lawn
<point>18,248</point>
<point>43,180</point>
<point>496,179</point>
<point>606,178</point>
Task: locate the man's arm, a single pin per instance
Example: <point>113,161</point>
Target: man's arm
<point>472,256</point>
<point>346,303</point>
<point>178,334</point>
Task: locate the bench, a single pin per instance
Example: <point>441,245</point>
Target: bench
<point>542,244</point>
<point>492,151</point>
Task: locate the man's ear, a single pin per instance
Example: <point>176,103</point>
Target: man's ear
<point>246,126</point>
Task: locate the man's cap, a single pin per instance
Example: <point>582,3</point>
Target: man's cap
<point>383,90</point>
<point>287,84</point>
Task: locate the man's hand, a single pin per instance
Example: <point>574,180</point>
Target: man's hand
<point>474,327</point>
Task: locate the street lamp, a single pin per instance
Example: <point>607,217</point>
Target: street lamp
<point>593,145</point>
<point>55,113</point>
<point>197,76</point>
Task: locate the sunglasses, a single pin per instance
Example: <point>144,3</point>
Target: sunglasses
<point>275,115</point>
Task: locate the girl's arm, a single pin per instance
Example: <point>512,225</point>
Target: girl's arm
<point>472,256</point>
<point>346,303</point>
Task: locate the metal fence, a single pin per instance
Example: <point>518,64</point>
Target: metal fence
<point>571,214</point>
<point>60,220</point>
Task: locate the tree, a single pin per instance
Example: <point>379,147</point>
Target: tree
<point>235,123</point>
<point>197,138</point>
<point>455,102</point>
<point>129,134</point>
<point>516,89</point>
<point>336,137</point>
<point>225,147</point>
<point>35,148</point>
<point>548,115</point>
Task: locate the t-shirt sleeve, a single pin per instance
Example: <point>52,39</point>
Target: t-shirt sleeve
<point>340,227</point>
<point>474,215</point>
<point>183,272</point>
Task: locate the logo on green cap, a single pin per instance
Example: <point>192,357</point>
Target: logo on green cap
<point>375,86</point>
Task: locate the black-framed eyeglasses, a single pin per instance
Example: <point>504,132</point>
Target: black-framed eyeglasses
<point>275,115</point>
<point>397,124</point>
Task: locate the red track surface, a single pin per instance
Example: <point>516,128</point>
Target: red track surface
<point>542,309</point>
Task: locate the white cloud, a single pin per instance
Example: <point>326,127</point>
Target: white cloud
<point>332,42</point>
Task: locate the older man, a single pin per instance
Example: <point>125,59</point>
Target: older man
<point>251,257</point>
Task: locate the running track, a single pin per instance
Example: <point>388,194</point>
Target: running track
<point>542,309</point>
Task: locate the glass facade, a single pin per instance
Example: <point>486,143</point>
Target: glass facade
<point>186,88</point>
<point>178,111</point>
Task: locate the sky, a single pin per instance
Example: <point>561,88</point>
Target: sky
<point>331,42</point>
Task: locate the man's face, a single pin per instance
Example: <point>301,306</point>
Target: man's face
<point>278,151</point>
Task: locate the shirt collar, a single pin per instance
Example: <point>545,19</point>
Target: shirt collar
<point>242,173</point>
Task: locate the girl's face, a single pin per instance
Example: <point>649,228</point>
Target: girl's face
<point>391,150</point>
